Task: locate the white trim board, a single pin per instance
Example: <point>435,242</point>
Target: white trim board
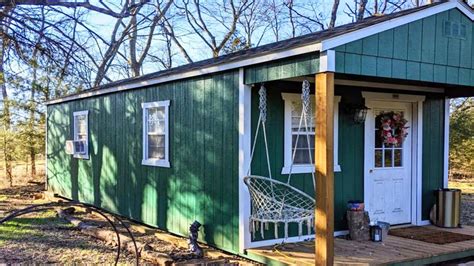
<point>245,93</point>
<point>327,57</point>
<point>446,143</point>
<point>382,85</point>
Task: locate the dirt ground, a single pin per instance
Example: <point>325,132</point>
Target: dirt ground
<point>46,239</point>
<point>43,238</point>
<point>467,201</point>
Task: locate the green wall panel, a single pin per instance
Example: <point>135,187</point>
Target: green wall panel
<point>417,51</point>
<point>281,69</point>
<point>202,183</point>
<point>433,151</point>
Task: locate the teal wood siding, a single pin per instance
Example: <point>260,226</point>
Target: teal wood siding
<point>418,51</point>
<point>202,183</point>
<point>349,184</point>
<point>433,151</point>
<point>281,69</point>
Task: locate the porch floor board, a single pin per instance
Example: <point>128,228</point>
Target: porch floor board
<point>394,250</point>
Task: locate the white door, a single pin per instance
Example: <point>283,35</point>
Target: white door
<point>388,166</point>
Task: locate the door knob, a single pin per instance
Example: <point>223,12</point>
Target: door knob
<point>371,170</point>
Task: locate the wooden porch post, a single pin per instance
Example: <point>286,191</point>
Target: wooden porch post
<point>324,163</point>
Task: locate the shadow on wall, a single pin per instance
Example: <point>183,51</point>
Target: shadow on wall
<point>202,181</point>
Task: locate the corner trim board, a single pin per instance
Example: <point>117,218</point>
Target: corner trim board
<point>446,142</point>
<point>244,160</point>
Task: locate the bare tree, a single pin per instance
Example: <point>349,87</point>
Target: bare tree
<point>136,62</point>
<point>6,118</point>
<point>335,6</point>
<point>253,22</point>
<point>227,15</point>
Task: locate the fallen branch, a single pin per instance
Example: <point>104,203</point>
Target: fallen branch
<point>110,237</point>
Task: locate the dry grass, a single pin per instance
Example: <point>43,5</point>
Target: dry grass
<point>466,185</point>
<point>21,174</point>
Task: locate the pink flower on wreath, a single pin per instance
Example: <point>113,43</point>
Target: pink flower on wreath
<point>396,117</point>
<point>392,140</point>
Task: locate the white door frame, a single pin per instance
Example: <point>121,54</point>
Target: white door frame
<point>417,141</point>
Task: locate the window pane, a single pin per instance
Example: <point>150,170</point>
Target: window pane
<point>378,158</point>
<point>156,147</point>
<point>81,123</point>
<point>302,156</point>
<point>296,117</point>
<point>302,141</point>
<point>156,120</point>
<point>388,158</point>
<point>378,138</point>
<point>398,157</point>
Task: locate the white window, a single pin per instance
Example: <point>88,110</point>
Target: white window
<point>303,162</point>
<point>156,134</point>
<point>81,135</point>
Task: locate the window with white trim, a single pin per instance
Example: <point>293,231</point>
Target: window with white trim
<point>303,162</point>
<point>156,133</point>
<point>81,134</point>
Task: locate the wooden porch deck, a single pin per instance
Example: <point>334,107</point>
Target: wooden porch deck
<point>394,250</point>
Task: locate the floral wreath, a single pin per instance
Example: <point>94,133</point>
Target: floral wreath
<point>393,128</point>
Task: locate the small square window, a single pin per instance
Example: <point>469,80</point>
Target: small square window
<point>456,30</point>
<point>156,134</point>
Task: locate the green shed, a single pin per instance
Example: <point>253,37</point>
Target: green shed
<point>174,146</point>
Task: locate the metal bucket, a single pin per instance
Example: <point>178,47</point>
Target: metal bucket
<point>447,210</point>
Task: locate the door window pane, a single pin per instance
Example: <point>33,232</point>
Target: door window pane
<point>378,158</point>
<point>398,158</point>
<point>388,158</point>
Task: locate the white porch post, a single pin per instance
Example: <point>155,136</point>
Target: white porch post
<point>244,160</point>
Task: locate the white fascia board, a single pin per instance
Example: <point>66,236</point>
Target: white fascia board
<point>198,72</point>
<point>327,61</point>
<point>393,23</point>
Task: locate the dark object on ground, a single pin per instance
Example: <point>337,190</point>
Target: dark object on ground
<point>429,235</point>
<point>358,222</point>
<point>193,237</point>
<point>54,205</point>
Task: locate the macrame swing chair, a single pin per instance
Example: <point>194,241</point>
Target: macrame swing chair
<point>273,201</point>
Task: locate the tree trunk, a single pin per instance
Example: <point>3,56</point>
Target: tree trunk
<point>31,124</point>
<point>361,10</point>
<point>7,146</point>
<point>335,6</point>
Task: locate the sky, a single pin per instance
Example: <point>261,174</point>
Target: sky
<point>195,46</point>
